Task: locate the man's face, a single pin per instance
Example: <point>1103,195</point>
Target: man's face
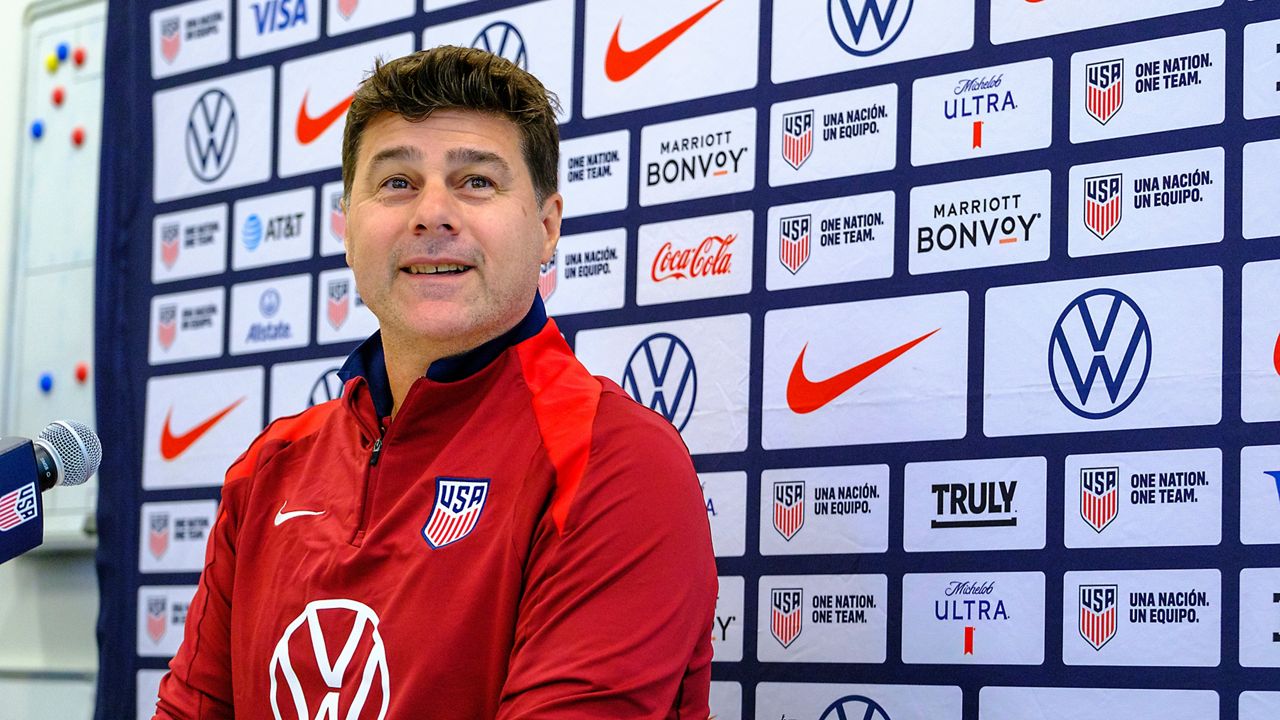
<point>444,233</point>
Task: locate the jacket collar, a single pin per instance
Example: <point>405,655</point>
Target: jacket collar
<point>370,362</point>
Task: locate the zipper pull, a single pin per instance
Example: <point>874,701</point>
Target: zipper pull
<point>377,448</point>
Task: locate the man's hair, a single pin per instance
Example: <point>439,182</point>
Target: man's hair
<point>449,77</point>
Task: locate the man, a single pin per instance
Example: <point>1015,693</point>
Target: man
<point>478,528</point>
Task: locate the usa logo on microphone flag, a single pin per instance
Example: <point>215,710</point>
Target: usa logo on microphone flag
<point>17,507</point>
<point>459,502</point>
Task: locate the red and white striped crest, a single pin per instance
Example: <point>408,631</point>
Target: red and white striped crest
<point>157,620</point>
<point>346,7</point>
<point>788,507</point>
<point>339,302</point>
<point>167,327</point>
<point>793,242</point>
<point>797,137</point>
<point>1099,496</point>
<point>158,537</point>
<point>1103,203</point>
<point>1098,613</point>
<point>337,218</point>
<point>459,502</point>
<point>18,506</point>
<point>786,614</point>
<point>169,245</point>
<point>547,274</point>
<point>1103,89</point>
<point>170,37</point>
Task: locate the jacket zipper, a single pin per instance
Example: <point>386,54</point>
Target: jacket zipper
<point>370,477</point>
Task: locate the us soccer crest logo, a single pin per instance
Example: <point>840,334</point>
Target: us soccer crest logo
<point>786,614</point>
<point>339,302</point>
<point>337,218</point>
<point>793,242</point>
<point>797,137</point>
<point>1099,496</point>
<point>347,7</point>
<point>788,508</point>
<point>459,502</point>
<point>167,327</point>
<point>157,622</point>
<point>170,38</point>
<point>169,245</point>
<point>158,535</point>
<point>1103,89</point>
<point>1103,203</point>
<point>1098,614</point>
<point>547,276</point>
<point>18,506</point>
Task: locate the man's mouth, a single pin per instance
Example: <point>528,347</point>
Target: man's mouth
<point>443,269</point>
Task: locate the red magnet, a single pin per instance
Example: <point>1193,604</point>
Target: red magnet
<point>78,56</point>
<point>82,372</point>
<point>59,95</point>
<point>77,136</point>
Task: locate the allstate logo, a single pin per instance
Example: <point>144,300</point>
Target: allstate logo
<point>854,707</point>
<point>251,234</point>
<point>212,130</point>
<point>862,28</point>
<point>661,375</point>
<point>1102,335</point>
<point>504,40</point>
<point>269,302</point>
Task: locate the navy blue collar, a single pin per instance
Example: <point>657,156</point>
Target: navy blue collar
<point>369,361</point>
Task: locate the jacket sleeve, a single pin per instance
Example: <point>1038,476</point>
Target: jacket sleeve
<point>616,617</point>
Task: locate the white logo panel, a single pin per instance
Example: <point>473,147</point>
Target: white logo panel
<point>1260,617</point>
<point>1143,499</point>
<point>982,112</point>
<point>824,510</point>
<point>190,36</point>
<point>594,172</point>
<point>692,372</point>
<point>1260,70</point>
<point>186,326</point>
<point>333,220</point>
<point>266,25</point>
<point>1014,20</point>
<point>992,504</point>
<point>148,692</point>
<point>698,157</point>
<point>980,223</point>
<point>1261,185</point>
<point>892,370</point>
<point>726,700</point>
<point>173,535</point>
<point>1164,84</point>
<point>666,51</point>
<point>866,702</point>
<point>842,618</point>
<point>726,633</point>
<point>1011,703</point>
<point>212,135</point>
<point>973,618</point>
<point>162,613</point>
<point>190,243</point>
<point>347,15</point>
<point>1127,351</point>
<point>725,494</point>
<point>341,314</point>
<point>273,229</point>
<point>694,258</point>
<point>1166,618</point>
<point>1260,495</point>
<point>537,37</point>
<point>197,424</point>
<point>1146,203</point>
<point>1258,705</point>
<point>1260,343</point>
<point>831,136</point>
<point>296,386</point>
<point>830,241</point>
<point>271,314</point>
<point>315,92</point>
<point>587,273</point>
<point>821,38</point>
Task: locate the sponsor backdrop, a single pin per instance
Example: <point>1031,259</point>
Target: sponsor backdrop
<point>967,310</point>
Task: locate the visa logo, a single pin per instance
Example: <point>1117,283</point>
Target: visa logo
<point>274,15</point>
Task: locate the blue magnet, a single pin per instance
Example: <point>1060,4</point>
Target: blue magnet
<point>37,129</point>
<point>46,382</point>
<point>63,51</point>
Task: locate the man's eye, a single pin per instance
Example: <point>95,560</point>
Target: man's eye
<point>396,183</point>
<point>475,182</point>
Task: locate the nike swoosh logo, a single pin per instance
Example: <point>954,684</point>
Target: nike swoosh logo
<point>805,396</point>
<point>282,516</point>
<point>621,64</point>
<point>1276,358</point>
<point>309,128</point>
<point>171,446</point>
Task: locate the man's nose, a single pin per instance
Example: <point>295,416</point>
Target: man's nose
<point>435,210</point>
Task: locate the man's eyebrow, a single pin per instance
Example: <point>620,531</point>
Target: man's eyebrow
<point>399,152</point>
<point>472,156</point>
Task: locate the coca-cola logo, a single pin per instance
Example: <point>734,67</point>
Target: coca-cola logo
<point>710,257</point>
<point>331,663</point>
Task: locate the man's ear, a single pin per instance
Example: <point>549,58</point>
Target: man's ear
<point>552,214</point>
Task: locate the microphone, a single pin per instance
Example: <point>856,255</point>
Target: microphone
<point>65,453</point>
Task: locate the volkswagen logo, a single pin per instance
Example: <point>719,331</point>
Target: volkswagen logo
<point>269,302</point>
<point>331,662</point>
<point>212,129</point>
<point>661,375</point>
<point>865,27</point>
<point>854,707</point>
<point>1101,339</point>
<point>505,41</point>
<point>326,387</point>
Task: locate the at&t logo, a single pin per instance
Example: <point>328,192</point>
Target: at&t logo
<point>212,130</point>
<point>1102,335</point>
<point>661,375</point>
<point>311,679</point>
<point>865,27</point>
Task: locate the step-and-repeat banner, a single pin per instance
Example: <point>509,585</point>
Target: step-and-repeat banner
<point>967,310</point>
